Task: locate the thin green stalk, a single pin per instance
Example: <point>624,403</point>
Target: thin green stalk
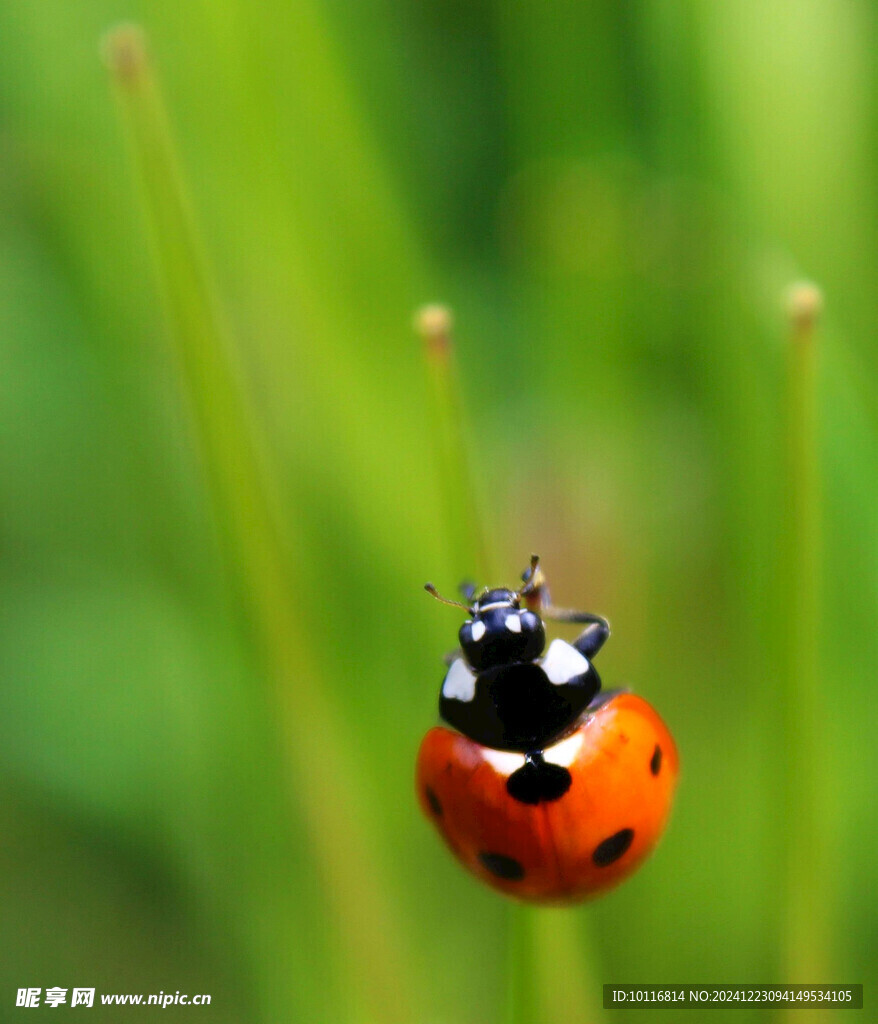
<point>567,985</point>
<point>317,774</point>
<point>549,967</point>
<point>806,940</point>
<point>521,1007</point>
<point>467,539</point>
<point>531,931</point>
<point>467,536</point>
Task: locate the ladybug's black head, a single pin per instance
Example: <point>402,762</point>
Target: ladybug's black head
<point>500,632</point>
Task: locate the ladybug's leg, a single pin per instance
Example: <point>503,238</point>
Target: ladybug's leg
<point>592,638</point>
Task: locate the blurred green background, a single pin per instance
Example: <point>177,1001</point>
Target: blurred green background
<point>203,792</point>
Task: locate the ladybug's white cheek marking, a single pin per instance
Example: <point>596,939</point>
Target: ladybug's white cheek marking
<point>504,762</point>
<point>563,662</point>
<point>513,623</point>
<point>565,752</point>
<point>460,683</point>
<point>478,630</point>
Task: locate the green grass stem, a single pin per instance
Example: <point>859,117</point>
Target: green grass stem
<point>568,986</point>
<point>464,524</point>
<point>806,946</point>
<point>521,1006</point>
<point>261,557</point>
<point>550,975</point>
<point>468,545</point>
<point>538,939</point>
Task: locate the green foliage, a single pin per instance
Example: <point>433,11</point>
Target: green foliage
<point>209,728</point>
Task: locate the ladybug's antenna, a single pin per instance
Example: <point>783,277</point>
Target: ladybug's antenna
<point>435,593</point>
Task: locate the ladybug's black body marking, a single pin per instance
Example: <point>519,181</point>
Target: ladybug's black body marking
<point>538,780</point>
<point>504,694</point>
<point>433,801</point>
<point>613,848</point>
<point>503,867</point>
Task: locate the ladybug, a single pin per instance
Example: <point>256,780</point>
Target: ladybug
<point>541,785</point>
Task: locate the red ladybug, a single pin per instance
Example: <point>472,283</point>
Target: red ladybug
<point>542,787</point>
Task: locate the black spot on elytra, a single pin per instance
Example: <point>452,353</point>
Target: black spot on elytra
<point>502,866</point>
<point>537,780</point>
<point>655,762</point>
<point>610,850</point>
<point>433,801</point>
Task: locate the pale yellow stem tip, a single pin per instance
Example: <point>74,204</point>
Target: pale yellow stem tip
<point>804,304</point>
<point>124,51</point>
<point>434,322</point>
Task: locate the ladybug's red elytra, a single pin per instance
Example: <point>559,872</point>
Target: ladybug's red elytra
<point>541,785</point>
